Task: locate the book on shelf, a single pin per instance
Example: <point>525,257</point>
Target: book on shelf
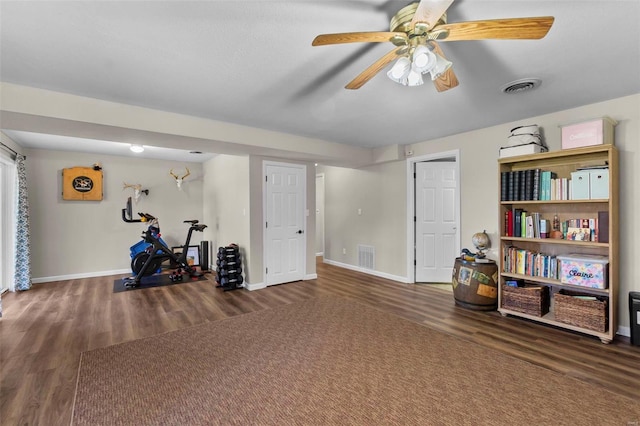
<point>531,263</point>
<point>508,223</point>
<point>515,196</point>
<point>535,195</point>
<point>517,222</point>
<point>546,178</point>
<point>520,185</point>
<point>511,186</point>
<point>528,184</point>
<point>603,227</point>
<point>528,227</point>
<point>544,228</point>
<point>504,186</point>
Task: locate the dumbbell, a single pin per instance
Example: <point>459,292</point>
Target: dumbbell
<point>223,272</point>
<point>227,282</point>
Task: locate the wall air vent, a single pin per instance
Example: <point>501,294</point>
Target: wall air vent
<point>366,256</point>
<point>522,85</point>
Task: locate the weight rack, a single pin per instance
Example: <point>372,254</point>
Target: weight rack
<point>229,268</point>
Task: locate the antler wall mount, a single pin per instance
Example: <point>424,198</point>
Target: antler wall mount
<point>417,28</point>
<point>137,190</point>
<point>180,179</point>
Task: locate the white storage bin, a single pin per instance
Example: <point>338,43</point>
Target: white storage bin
<point>580,185</point>
<point>599,184</point>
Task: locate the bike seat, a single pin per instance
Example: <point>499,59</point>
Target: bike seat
<point>192,221</point>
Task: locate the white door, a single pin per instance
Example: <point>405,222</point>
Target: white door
<point>436,221</point>
<point>285,238</point>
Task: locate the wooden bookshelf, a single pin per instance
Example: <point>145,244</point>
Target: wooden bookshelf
<point>562,164</point>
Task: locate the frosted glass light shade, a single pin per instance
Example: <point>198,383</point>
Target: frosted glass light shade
<point>424,60</point>
<point>136,148</point>
<point>400,70</point>
<point>414,78</point>
<point>442,65</point>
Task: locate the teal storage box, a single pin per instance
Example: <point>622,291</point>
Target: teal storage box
<point>599,184</point>
<point>580,185</point>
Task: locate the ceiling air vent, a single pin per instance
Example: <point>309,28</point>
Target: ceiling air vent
<point>521,85</point>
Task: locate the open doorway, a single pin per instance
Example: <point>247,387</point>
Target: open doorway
<point>433,222</point>
<point>320,215</point>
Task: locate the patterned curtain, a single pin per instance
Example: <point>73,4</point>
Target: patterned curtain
<point>23,243</point>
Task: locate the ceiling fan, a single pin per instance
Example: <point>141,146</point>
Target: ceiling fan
<point>416,29</point>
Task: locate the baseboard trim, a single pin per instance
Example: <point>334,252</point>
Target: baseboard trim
<point>79,276</point>
<point>624,331</point>
<point>260,286</point>
<point>256,286</point>
<point>367,271</point>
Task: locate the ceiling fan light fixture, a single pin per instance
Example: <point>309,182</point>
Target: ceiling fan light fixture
<point>136,148</point>
<point>414,78</point>
<point>442,65</point>
<point>424,60</point>
<point>400,70</point>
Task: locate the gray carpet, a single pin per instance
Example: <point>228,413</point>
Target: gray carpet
<point>328,361</point>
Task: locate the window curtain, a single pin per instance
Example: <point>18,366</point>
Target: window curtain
<point>23,244</point>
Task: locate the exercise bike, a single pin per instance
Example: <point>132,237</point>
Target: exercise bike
<point>149,261</point>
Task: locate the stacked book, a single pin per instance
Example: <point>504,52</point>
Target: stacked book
<point>533,185</point>
<point>526,262</point>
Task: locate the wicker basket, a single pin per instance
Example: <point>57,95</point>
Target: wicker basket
<point>589,314</point>
<point>529,300</point>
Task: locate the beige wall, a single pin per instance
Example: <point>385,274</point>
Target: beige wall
<point>382,188</point>
<point>380,193</point>
<point>226,205</point>
<point>89,237</point>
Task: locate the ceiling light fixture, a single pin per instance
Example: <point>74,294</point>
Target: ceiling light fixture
<point>136,148</point>
<point>422,59</point>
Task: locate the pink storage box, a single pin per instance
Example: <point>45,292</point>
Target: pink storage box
<point>584,270</point>
<point>587,133</point>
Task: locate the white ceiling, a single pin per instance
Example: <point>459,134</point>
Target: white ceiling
<point>252,63</point>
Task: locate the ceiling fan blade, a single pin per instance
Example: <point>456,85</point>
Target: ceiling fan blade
<point>429,11</point>
<point>370,72</point>
<point>448,80</point>
<point>358,37</point>
<point>515,28</point>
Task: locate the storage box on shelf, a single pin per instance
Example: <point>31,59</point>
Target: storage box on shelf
<point>590,312</point>
<point>588,133</point>
<point>529,256</point>
<point>532,300</point>
<point>584,271</point>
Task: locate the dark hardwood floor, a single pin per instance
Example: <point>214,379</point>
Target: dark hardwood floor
<point>44,331</point>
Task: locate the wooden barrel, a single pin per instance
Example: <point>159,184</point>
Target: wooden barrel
<point>475,284</point>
